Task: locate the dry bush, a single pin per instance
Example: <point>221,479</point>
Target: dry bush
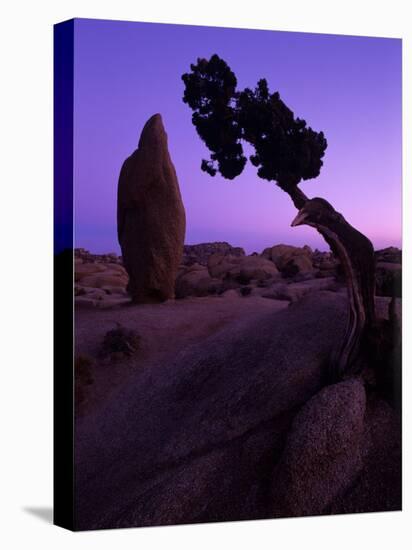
<point>120,341</point>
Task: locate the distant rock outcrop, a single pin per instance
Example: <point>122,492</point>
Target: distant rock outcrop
<point>242,268</point>
<point>99,280</point>
<point>281,272</point>
<point>196,281</point>
<point>290,260</point>
<point>199,253</point>
<point>150,217</point>
<point>391,254</point>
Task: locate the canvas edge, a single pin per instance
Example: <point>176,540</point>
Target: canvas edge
<point>63,340</point>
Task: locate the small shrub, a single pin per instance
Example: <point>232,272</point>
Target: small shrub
<point>120,340</point>
<point>245,290</point>
<point>243,279</point>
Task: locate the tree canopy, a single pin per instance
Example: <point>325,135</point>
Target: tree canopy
<point>286,149</point>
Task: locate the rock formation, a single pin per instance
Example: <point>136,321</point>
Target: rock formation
<point>200,253</point>
<point>196,281</point>
<point>322,454</point>
<point>218,268</point>
<point>150,217</point>
<point>290,260</point>
<point>199,435</point>
<point>235,424</point>
<point>241,267</point>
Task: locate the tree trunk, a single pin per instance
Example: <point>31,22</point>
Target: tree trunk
<point>356,254</point>
<point>298,197</point>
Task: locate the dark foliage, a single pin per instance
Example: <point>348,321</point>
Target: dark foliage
<point>246,290</point>
<point>211,93</point>
<point>120,340</point>
<point>286,149</point>
<point>388,282</point>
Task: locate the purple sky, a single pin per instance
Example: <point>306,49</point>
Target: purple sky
<point>348,87</point>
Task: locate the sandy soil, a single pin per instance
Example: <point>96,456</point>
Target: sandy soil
<point>166,329</point>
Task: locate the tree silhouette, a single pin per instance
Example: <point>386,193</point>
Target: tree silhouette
<point>286,151</point>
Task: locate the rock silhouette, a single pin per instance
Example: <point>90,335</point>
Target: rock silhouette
<point>150,217</point>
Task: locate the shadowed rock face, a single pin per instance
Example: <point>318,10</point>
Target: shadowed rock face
<point>150,217</point>
<point>322,455</point>
<point>197,438</point>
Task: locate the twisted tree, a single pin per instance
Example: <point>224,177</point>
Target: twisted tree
<point>286,151</point>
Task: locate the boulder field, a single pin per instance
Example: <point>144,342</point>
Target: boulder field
<point>281,272</point>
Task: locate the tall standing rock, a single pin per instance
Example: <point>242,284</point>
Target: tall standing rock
<point>151,218</point>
